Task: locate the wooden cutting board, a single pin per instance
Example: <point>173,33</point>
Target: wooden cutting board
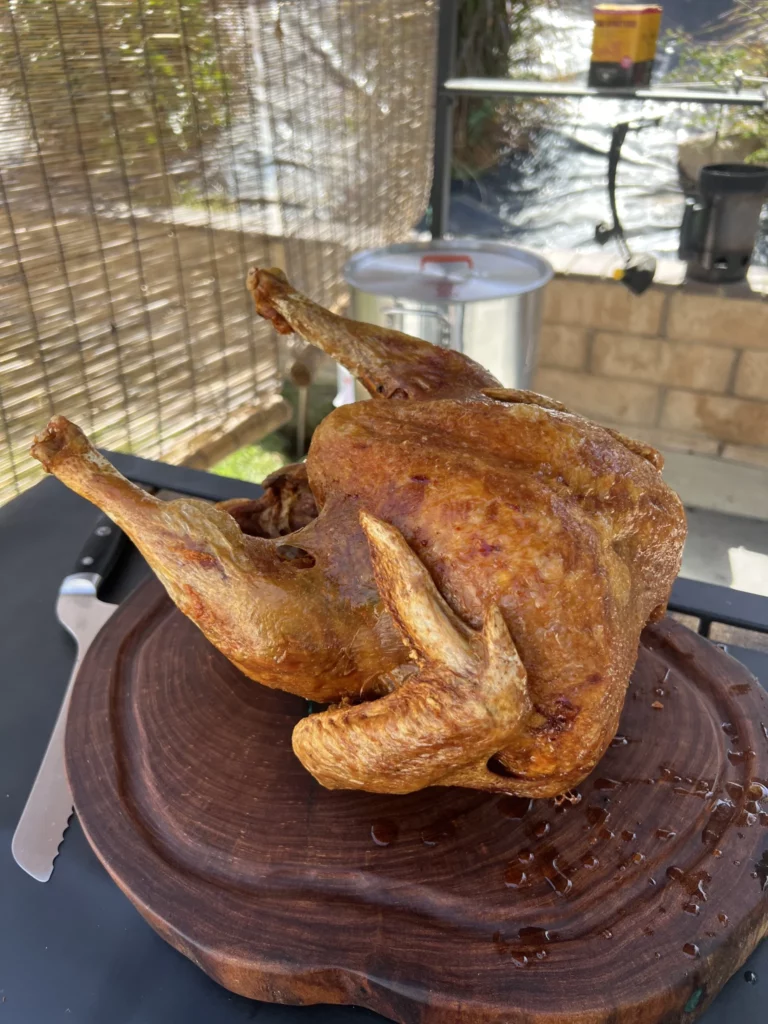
<point>636,904</point>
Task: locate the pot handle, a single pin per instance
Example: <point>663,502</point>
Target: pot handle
<point>446,257</point>
<point>392,311</point>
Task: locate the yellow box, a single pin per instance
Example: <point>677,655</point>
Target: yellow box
<point>624,44</point>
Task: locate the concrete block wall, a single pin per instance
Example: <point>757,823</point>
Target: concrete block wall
<point>684,366</point>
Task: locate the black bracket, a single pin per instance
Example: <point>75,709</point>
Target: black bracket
<point>638,271</point>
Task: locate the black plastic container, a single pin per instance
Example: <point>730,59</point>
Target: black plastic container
<point>717,236</point>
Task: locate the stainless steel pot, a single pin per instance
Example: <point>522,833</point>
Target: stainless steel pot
<point>481,298</point>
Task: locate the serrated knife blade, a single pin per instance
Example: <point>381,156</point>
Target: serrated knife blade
<point>49,806</point>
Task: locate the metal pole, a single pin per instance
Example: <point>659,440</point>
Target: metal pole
<point>301,423</point>
<point>447,43</point>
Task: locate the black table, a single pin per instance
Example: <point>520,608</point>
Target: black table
<point>74,949</point>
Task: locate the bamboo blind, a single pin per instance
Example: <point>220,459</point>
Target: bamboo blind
<point>149,151</point>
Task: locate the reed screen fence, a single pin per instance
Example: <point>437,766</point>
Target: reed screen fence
<point>150,150</point>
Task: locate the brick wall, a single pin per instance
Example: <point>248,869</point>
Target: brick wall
<point>684,366</point>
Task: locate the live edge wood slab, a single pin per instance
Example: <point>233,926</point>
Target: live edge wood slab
<point>634,905</point>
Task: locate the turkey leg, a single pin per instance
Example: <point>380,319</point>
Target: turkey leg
<point>273,608</point>
<point>389,364</point>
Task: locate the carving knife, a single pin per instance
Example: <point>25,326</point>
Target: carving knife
<point>49,806</point>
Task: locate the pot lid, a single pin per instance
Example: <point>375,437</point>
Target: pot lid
<point>447,270</point>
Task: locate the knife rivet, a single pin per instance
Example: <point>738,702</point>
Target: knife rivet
<point>86,561</point>
<point>103,531</point>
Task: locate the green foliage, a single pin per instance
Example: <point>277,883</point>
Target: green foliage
<point>256,461</point>
<point>169,65</point>
<point>488,30</point>
<point>497,39</point>
<point>743,51</point>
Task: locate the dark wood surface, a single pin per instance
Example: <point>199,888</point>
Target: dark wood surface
<point>636,904</point>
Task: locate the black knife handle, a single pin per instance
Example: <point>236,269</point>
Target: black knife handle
<point>102,548</point>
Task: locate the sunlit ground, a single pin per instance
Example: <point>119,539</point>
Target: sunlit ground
<point>729,550</point>
<point>749,570</point>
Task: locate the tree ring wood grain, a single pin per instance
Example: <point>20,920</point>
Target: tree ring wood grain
<point>635,900</point>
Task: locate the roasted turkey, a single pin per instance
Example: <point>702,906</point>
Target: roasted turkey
<point>460,570</point>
